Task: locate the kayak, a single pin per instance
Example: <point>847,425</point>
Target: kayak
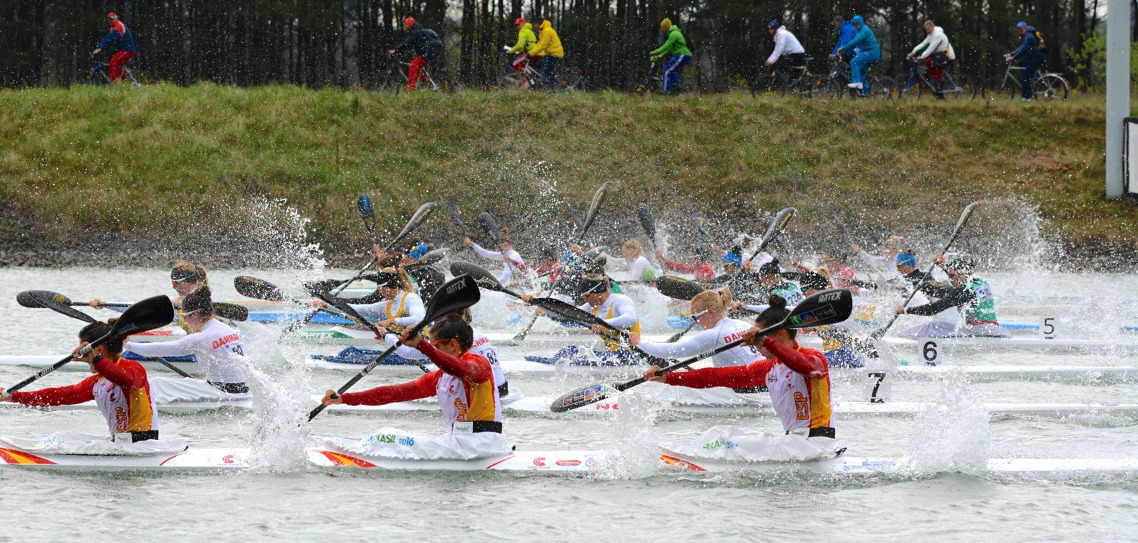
<point>207,460</point>
<point>976,343</point>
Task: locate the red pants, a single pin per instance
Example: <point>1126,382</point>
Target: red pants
<point>414,72</point>
<point>522,61</point>
<point>936,74</point>
<point>117,61</point>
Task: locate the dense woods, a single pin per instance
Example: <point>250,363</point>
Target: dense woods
<point>340,43</point>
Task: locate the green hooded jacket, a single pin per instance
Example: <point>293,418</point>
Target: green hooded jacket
<point>526,39</point>
<point>674,45</point>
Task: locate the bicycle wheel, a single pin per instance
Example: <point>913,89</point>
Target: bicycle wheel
<point>959,87</point>
<point>911,92</point>
<point>389,81</point>
<point>803,87</point>
<point>834,87</point>
<point>1050,87</point>
<point>1000,88</point>
<point>570,80</point>
<point>880,87</point>
<point>764,85</point>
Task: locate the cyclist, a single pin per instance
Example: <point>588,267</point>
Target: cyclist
<point>870,52</point>
<point>426,44</point>
<point>1030,56</point>
<point>676,46</point>
<point>526,40</point>
<point>788,53</point>
<point>936,52</point>
<point>846,32</point>
<point>122,40</point>
<point>548,48</point>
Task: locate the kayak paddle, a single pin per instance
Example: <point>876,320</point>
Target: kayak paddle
<point>31,298</point>
<point>420,216</point>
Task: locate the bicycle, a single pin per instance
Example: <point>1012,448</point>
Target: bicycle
<point>1045,85</point>
<point>100,75</point>
<point>653,82</point>
<point>393,77</point>
<point>836,84</point>
<point>515,80</point>
<point>781,81</point>
<point>951,87</point>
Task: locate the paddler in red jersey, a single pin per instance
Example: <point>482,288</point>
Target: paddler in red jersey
<point>799,383</point>
<point>119,387</point>
<point>464,386</point>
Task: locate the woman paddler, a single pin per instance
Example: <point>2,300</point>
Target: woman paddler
<point>710,313</point>
<point>505,254</point>
<point>119,388</point>
<point>216,346</point>
<point>464,386</point>
<point>482,347</point>
<point>639,268</point>
<point>399,308</point>
<point>799,382</point>
<point>185,277</point>
<point>618,310</point>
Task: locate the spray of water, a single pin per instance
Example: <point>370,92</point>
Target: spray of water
<point>951,433</point>
<point>632,451</point>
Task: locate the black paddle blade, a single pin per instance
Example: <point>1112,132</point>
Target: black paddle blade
<point>963,220</point>
<point>484,278</point>
<point>457,294</point>
<point>569,312</point>
<point>490,226</point>
<point>431,258</point>
<point>53,301</point>
<point>258,288</point>
<point>576,218</point>
<point>646,221</point>
<point>827,307</point>
<point>581,397</point>
<point>679,288</point>
<point>232,312</point>
<point>420,216</point>
<point>456,213</point>
<point>146,315</point>
<point>365,208</point>
<point>594,209</point>
<point>780,222</point>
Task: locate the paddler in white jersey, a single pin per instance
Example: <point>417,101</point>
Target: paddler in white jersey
<point>216,347</point>
<point>709,312</point>
<point>639,268</point>
<point>464,386</point>
<point>185,277</point>
<point>799,383</point>
<point>400,307</point>
<point>506,254</point>
<point>481,347</point>
<point>617,310</point>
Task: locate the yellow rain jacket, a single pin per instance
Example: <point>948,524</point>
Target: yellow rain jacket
<point>548,43</point>
<point>526,39</point>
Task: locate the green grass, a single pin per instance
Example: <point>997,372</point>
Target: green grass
<point>148,161</point>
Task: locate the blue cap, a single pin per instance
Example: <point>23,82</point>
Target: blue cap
<point>733,258</point>
<point>906,259</point>
<point>1021,24</point>
<point>418,251</point>
<point>857,20</point>
<point>773,24</point>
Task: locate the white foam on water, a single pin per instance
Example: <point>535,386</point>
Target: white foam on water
<point>632,451</point>
<point>951,432</point>
<point>280,385</point>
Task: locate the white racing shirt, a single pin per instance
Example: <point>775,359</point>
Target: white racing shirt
<point>217,348</point>
<point>511,258</point>
<point>725,331</point>
<point>407,309</point>
<point>636,268</point>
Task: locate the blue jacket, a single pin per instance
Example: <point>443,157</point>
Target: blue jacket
<point>845,34</point>
<point>863,39</point>
<point>1028,49</point>
<point>120,37</point>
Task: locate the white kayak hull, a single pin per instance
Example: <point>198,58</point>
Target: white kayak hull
<point>546,462</point>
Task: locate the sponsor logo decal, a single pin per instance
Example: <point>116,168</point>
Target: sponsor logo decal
<point>539,461</point>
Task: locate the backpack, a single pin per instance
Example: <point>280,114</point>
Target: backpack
<point>1042,44</point>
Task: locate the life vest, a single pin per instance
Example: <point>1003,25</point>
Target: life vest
<point>612,341</point>
<point>467,402</point>
<point>982,309</point>
<point>800,401</point>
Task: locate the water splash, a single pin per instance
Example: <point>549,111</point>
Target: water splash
<point>280,387</point>
<point>951,432</point>
<point>632,451</point>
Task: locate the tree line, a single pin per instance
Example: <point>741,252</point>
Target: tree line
<point>343,43</point>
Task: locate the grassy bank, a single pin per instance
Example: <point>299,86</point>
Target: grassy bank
<point>156,160</point>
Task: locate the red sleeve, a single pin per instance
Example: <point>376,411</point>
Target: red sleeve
<point>423,387</point>
<point>80,392</point>
<point>678,266</point>
<point>124,373</point>
<point>751,375</point>
<point>805,361</point>
<point>467,368</point>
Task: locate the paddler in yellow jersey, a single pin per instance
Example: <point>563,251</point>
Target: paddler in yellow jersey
<point>400,307</point>
<point>618,310</point>
<point>185,278</point>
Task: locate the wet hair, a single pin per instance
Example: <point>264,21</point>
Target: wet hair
<point>815,280</point>
<point>98,329</point>
<point>390,261</point>
<point>709,300</point>
<point>188,272</point>
<point>593,284</point>
<point>453,327</point>
<point>199,301</point>
<point>395,278</point>
<point>776,313</point>
<point>770,268</point>
<point>465,314</point>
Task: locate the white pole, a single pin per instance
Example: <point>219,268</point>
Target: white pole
<point>1117,90</point>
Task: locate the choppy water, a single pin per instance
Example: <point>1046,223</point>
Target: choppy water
<point>945,499</point>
